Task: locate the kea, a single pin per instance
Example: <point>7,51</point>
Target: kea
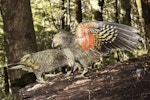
<point>47,60</point>
<point>94,39</point>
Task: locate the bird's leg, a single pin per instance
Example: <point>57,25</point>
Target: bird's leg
<point>70,60</point>
<point>85,70</point>
<point>68,73</point>
<point>73,69</point>
<point>39,76</point>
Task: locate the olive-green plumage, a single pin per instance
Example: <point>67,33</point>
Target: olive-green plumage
<point>45,61</point>
<point>66,40</point>
<point>93,39</point>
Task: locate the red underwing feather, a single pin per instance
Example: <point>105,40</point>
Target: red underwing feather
<point>105,36</point>
<point>85,37</point>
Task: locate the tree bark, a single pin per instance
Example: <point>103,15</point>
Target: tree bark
<point>146,16</point>
<point>63,17</point>
<point>116,14</point>
<point>78,11</point>
<point>68,18</point>
<point>126,8</point>
<point>19,31</point>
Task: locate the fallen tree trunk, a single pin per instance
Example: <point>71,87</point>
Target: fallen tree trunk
<point>129,80</point>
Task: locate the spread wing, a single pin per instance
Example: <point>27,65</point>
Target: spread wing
<point>105,36</point>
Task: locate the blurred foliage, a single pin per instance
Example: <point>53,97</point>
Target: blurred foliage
<point>47,16</point>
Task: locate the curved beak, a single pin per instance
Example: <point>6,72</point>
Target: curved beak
<point>54,44</point>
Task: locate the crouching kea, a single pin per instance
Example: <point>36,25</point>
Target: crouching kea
<point>47,60</point>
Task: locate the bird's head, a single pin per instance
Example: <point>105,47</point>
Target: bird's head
<point>62,39</point>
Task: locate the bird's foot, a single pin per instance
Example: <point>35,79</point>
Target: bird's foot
<point>82,74</point>
<point>68,73</point>
<point>52,75</point>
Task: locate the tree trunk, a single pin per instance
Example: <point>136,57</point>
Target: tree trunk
<point>19,32</point>
<point>146,16</point>
<point>68,18</point>
<point>78,11</point>
<point>116,14</point>
<point>126,10</point>
<point>63,17</point>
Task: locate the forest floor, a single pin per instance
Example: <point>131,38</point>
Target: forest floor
<point>128,80</point>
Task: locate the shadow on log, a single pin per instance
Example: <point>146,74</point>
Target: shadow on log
<point>128,80</point>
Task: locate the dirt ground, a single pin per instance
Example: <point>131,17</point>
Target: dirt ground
<point>128,80</point>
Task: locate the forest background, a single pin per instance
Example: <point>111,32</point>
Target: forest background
<point>28,26</point>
